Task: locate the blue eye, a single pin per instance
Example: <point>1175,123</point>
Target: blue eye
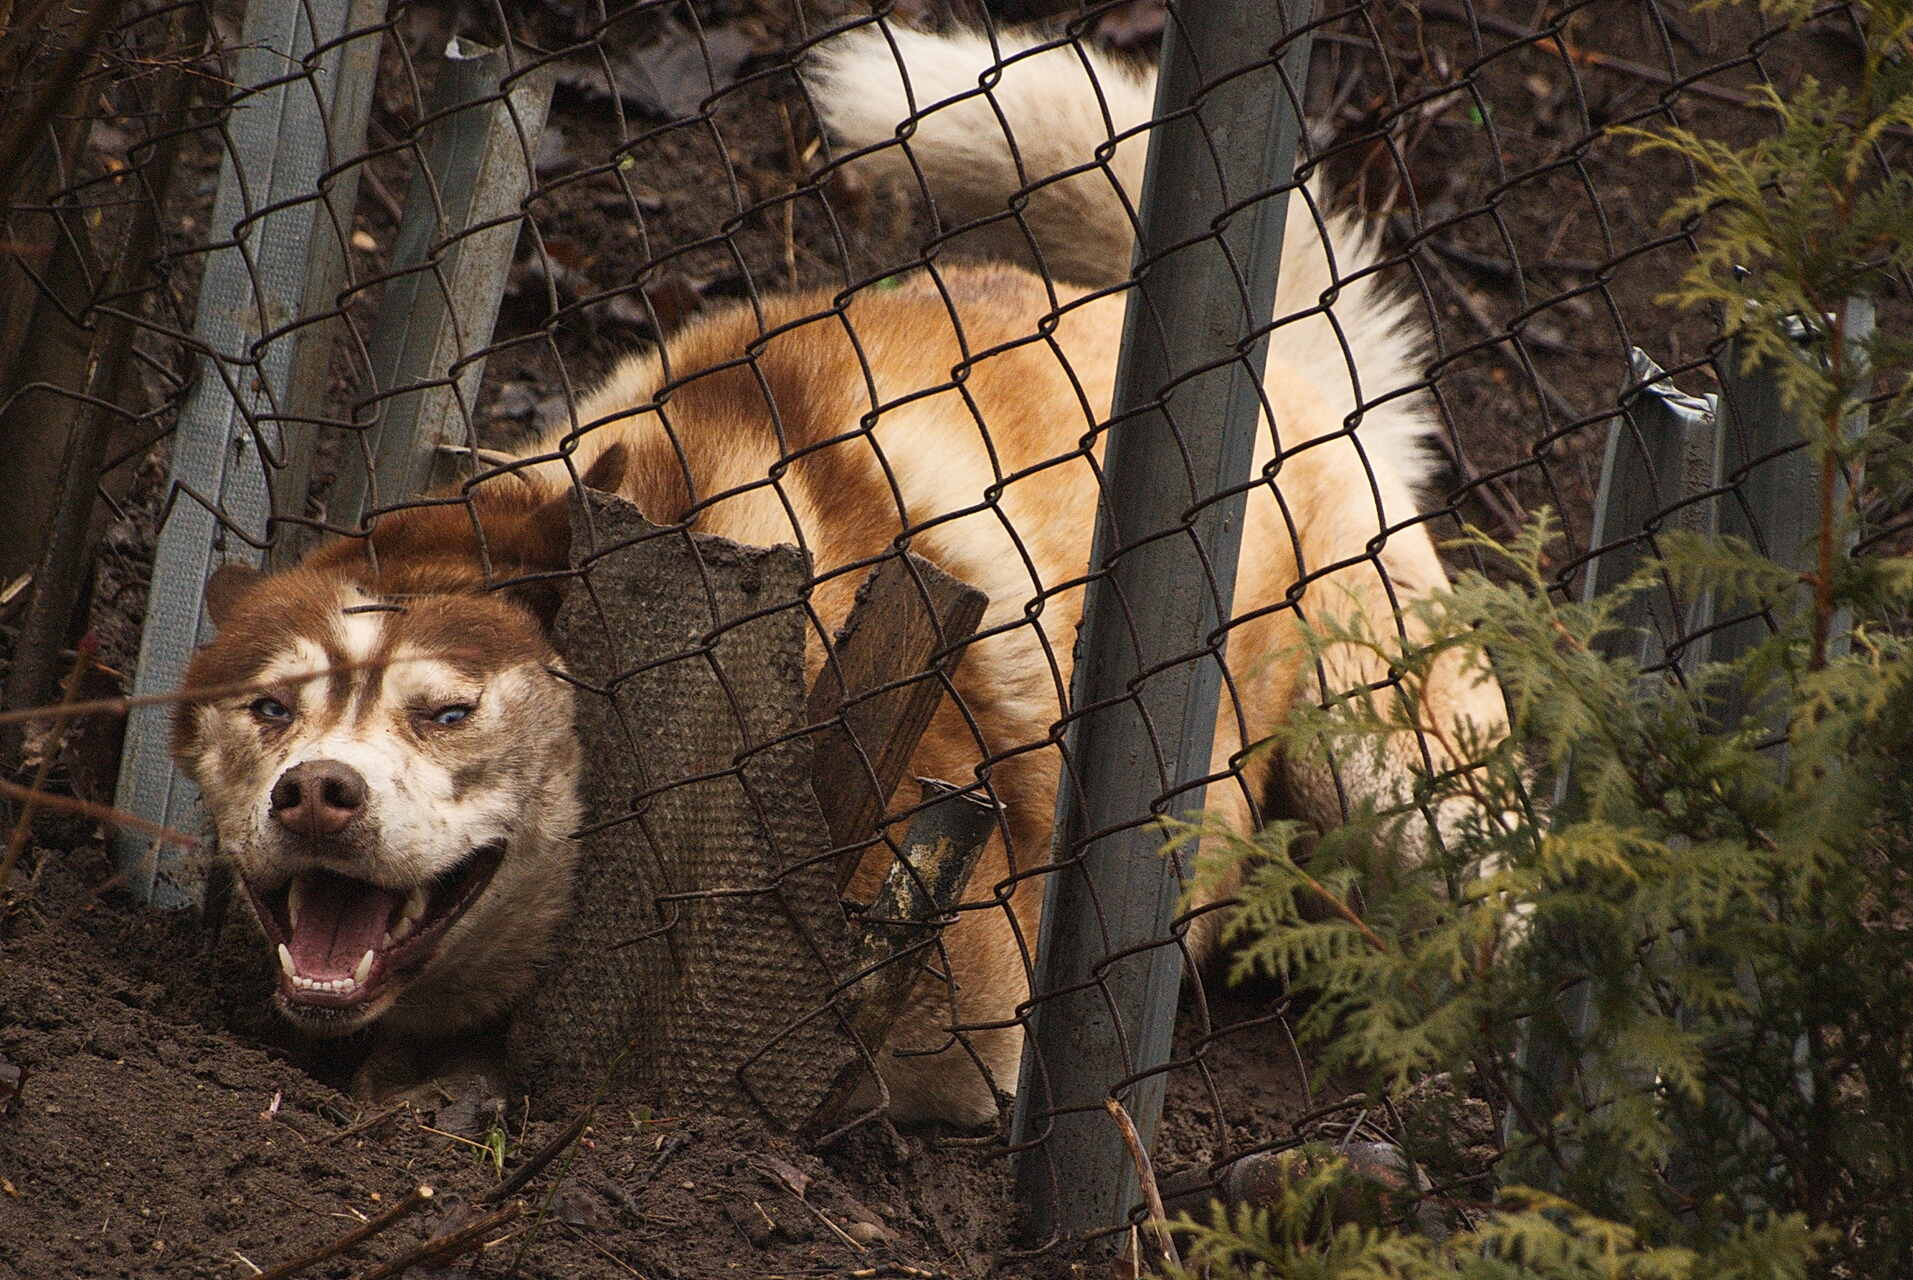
<point>271,709</point>
<point>452,714</point>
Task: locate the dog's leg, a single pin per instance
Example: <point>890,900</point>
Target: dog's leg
<point>975,979</point>
<point>430,1072</point>
<point>1448,714</point>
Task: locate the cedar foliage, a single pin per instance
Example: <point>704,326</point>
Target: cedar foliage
<point>1736,899</point>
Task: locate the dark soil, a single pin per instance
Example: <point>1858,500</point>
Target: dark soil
<point>156,1133</point>
<point>161,1124</point>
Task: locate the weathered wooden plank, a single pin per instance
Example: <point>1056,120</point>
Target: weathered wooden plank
<point>878,690</point>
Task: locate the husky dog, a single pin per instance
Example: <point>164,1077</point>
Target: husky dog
<point>396,789</point>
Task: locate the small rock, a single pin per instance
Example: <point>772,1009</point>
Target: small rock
<point>469,1116</point>
<point>576,1207</point>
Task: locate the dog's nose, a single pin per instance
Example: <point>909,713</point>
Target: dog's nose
<point>318,798</point>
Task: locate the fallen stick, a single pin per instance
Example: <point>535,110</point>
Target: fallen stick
<point>372,1121</point>
<point>1151,1194</point>
<point>443,1248</point>
<point>544,1156</point>
<point>419,1196</point>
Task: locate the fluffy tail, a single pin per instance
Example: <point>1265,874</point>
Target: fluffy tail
<point>1047,112</point>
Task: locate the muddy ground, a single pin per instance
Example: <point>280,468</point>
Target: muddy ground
<point>153,1119</point>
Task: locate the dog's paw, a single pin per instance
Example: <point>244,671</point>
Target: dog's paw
<point>463,1079</point>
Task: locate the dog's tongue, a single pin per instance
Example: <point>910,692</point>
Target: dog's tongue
<point>340,919</point>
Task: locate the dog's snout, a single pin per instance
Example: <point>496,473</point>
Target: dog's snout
<point>318,798</point>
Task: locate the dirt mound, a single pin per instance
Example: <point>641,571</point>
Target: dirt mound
<point>161,1128</point>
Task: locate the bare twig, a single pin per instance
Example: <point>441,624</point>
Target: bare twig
<point>120,706</point>
<point>783,1179</point>
<point>1493,493</point>
<point>34,796</point>
<point>443,1248</point>
<point>88,809</point>
<point>370,1122</point>
<point>603,1252</point>
<point>1471,306</point>
<point>544,1156</point>
<point>1152,1194</point>
<point>56,88</point>
<point>418,1197</point>
<point>1586,57</point>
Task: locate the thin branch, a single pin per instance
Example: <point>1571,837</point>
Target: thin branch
<point>544,1156</point>
<point>120,706</point>
<point>33,796</point>
<point>418,1197</point>
<point>57,86</point>
<point>1152,1194</point>
<point>98,812</point>
<point>443,1248</point>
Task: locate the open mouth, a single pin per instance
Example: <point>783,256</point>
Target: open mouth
<point>341,940</point>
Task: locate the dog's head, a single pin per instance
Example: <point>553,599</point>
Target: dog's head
<point>388,755</point>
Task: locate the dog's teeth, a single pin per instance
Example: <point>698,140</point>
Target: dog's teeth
<point>409,916</point>
<point>292,903</point>
<point>364,971</point>
<point>285,962</point>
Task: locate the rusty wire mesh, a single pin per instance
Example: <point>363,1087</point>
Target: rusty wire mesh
<point>683,172</point>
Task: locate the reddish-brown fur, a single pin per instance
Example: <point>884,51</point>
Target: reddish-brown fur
<point>959,413</point>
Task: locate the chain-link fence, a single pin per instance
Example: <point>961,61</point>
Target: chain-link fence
<point>901,298</point>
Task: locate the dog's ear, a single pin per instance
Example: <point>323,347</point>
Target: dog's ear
<point>230,582</point>
<point>540,597</point>
<point>544,547</point>
<point>547,536</point>
<point>606,474</point>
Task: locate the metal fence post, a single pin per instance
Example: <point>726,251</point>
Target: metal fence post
<point>328,275</point>
<point>1744,444</point>
<point>450,264</point>
<point>1182,431</point>
<point>1771,478</point>
<point>1659,458</point>
<point>230,440</point>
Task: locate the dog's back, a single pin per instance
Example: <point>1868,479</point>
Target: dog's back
<point>959,408</point>
<point>1057,107</point>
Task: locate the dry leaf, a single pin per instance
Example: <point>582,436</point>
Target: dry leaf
<point>784,1173</point>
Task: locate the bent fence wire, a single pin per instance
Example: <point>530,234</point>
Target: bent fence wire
<point>276,269</point>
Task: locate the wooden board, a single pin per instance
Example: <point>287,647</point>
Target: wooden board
<point>887,672</point>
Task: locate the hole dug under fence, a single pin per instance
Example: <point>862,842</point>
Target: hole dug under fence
<point>709,965</point>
